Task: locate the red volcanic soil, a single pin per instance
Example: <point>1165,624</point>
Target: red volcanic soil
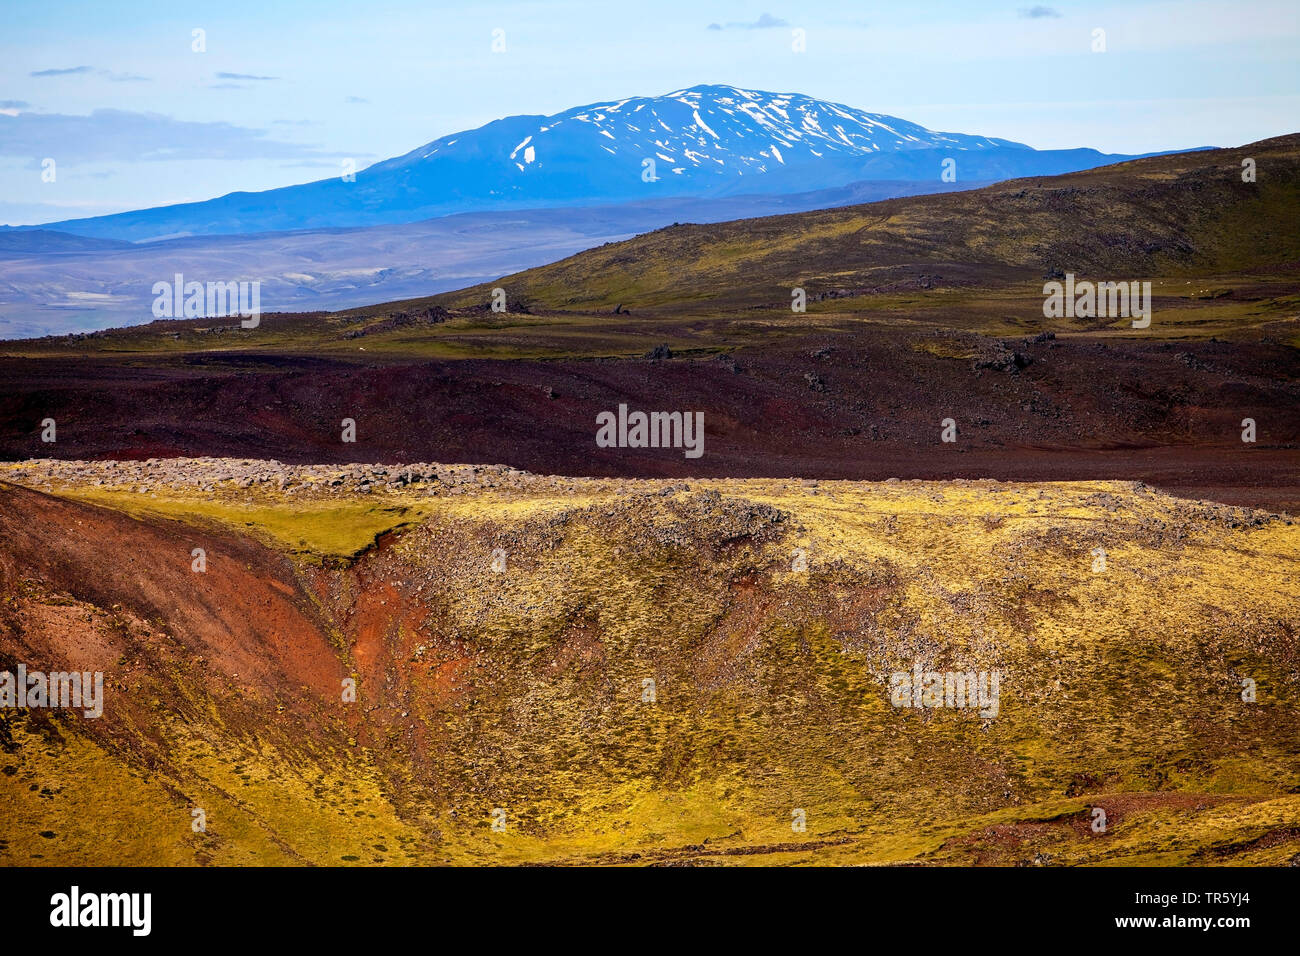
<point>245,617</point>
<point>865,406</point>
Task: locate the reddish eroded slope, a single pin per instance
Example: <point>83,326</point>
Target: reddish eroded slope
<point>245,619</point>
<point>415,671</point>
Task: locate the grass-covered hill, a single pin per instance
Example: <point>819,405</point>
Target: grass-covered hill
<point>501,629</point>
<point>1185,214</point>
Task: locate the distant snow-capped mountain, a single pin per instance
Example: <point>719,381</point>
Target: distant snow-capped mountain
<point>717,132</point>
<point>706,141</point>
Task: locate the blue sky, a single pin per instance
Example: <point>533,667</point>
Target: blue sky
<point>132,116</point>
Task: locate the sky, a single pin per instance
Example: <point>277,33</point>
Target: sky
<point>132,114</point>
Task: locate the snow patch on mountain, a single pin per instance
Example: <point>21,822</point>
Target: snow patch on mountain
<point>725,129</point>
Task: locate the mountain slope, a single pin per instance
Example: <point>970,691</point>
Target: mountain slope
<point>1169,215</point>
<point>703,141</point>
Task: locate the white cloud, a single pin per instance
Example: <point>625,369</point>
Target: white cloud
<point>108,135</point>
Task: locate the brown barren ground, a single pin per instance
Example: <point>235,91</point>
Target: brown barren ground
<point>865,404</point>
